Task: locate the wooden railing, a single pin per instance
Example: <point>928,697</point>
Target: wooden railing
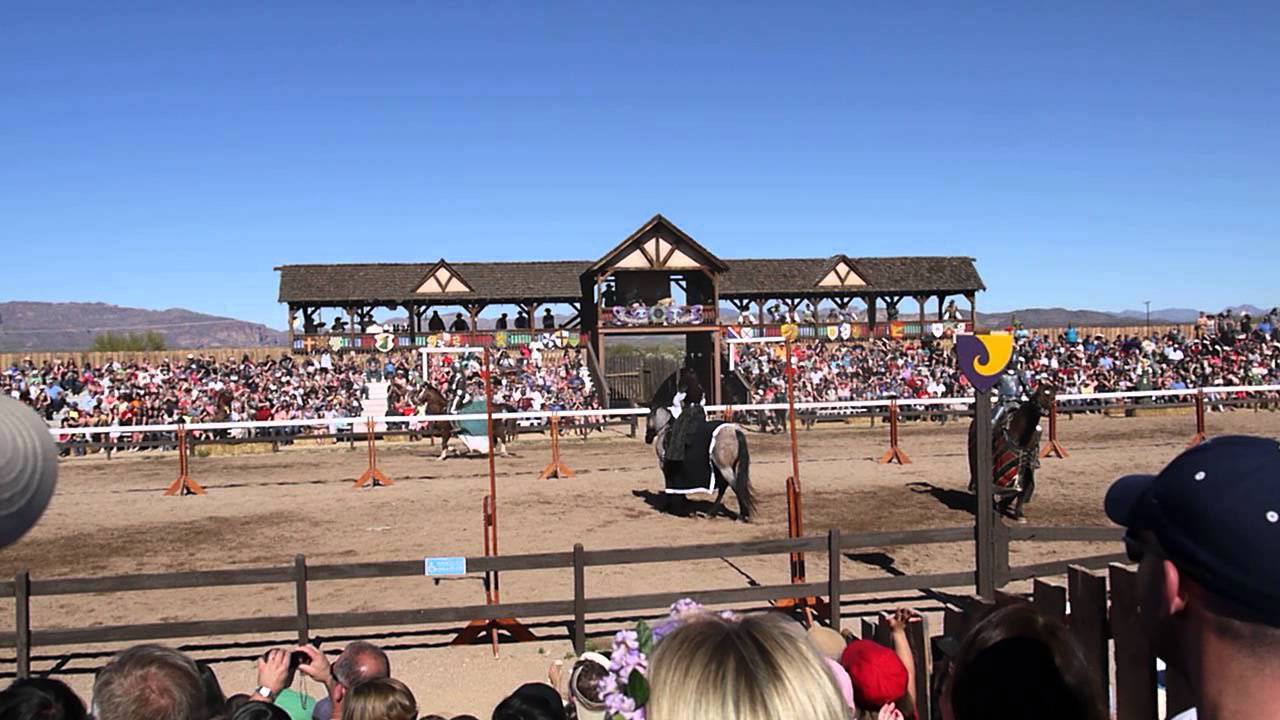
<point>304,622</point>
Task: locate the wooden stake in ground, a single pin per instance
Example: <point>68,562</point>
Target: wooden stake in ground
<point>184,485</point>
<point>372,477</point>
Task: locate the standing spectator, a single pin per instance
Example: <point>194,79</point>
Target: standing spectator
<point>501,322</point>
<point>548,320</point>
<point>459,324</point>
<point>1204,533</point>
<point>151,682</point>
<point>758,668</point>
<point>435,323</point>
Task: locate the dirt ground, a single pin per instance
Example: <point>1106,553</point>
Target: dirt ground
<point>109,517</point>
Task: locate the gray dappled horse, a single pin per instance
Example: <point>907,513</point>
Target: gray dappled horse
<point>1015,452</point>
<point>730,459</point>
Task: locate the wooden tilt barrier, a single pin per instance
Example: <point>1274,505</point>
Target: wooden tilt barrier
<point>184,484</point>
<point>895,453</point>
<point>1200,435</point>
<point>1052,446</point>
<point>556,468</point>
<point>372,477</point>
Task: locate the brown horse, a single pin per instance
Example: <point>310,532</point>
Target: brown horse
<point>504,429</point>
<point>1015,452</point>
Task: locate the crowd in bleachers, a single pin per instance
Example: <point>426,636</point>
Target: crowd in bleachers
<point>324,386</point>
<point>1226,352</point>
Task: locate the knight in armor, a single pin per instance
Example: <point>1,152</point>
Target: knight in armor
<point>1009,393</point>
<point>689,422</point>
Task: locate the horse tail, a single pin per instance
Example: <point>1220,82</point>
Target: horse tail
<point>742,477</point>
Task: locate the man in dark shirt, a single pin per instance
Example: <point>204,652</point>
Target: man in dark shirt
<point>522,321</point>
<point>459,325</point>
<point>548,320</point>
<point>435,323</point>
<point>501,322</point>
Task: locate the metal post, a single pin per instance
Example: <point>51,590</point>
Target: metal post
<point>985,516</point>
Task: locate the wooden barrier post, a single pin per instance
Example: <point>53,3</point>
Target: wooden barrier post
<point>579,600</point>
<point>22,623</point>
<point>894,453</point>
<point>556,468</point>
<point>1087,594</point>
<point>300,596</point>
<point>514,628</point>
<point>1053,447</point>
<point>985,512</point>
<point>1135,661</point>
<point>372,477</point>
<point>833,578</point>
<point>184,485</point>
<point>1200,435</point>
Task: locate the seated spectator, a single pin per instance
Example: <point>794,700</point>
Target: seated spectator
<point>380,699</point>
<point>276,673</point>
<point>758,668</point>
<point>359,662</point>
<point>149,681</point>
<point>1203,534</point>
<point>42,699</point>
<point>531,701</point>
<point>1017,664</point>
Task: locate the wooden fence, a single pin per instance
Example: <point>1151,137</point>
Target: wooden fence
<point>303,622</point>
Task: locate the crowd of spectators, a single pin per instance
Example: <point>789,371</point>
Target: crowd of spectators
<point>1229,351</point>
<point>324,386</point>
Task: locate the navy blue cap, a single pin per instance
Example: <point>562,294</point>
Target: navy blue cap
<point>1216,511</point>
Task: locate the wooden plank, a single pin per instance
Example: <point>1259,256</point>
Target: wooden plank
<point>163,631</point>
<point>1050,599</point>
<point>426,616</point>
<point>1066,534</point>
<point>1135,662</point>
<point>763,593</point>
<point>22,623</point>
<point>906,537</point>
<point>921,652</point>
<point>163,581</point>
<point>867,629</point>
<point>905,582</point>
<point>579,600</point>
<point>1087,622</point>
<point>707,551</point>
<point>1058,567</point>
<point>300,598</point>
<point>833,578</point>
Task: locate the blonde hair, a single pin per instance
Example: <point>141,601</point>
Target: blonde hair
<point>759,668</point>
<point>380,699</point>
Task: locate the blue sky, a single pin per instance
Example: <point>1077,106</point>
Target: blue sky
<point>1092,154</point>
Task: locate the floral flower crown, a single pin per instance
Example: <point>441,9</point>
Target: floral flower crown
<point>625,690</point>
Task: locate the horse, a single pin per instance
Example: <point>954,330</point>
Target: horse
<point>504,429</point>
<point>1015,452</point>
<point>730,460</point>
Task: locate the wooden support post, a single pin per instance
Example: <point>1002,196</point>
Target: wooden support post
<point>985,512</point>
<point>833,578</point>
<point>300,595</point>
<point>1050,599</point>
<point>184,485</point>
<point>895,453</point>
<point>372,477</point>
<point>579,599</point>
<point>1200,435</point>
<point>556,468</point>
<point>22,623</point>
<point>1053,447</point>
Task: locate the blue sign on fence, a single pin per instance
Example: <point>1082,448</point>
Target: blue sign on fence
<point>446,566</point>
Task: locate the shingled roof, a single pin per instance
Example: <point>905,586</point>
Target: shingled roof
<point>885,275</point>
<point>495,282</point>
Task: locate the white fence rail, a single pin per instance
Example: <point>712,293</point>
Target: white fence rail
<point>360,420</point>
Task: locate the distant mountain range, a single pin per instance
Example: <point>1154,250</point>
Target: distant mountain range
<point>73,326</point>
<point>1061,317</point>
<point>37,326</point>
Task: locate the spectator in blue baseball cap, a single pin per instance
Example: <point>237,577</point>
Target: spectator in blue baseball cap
<point>1206,534</point>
